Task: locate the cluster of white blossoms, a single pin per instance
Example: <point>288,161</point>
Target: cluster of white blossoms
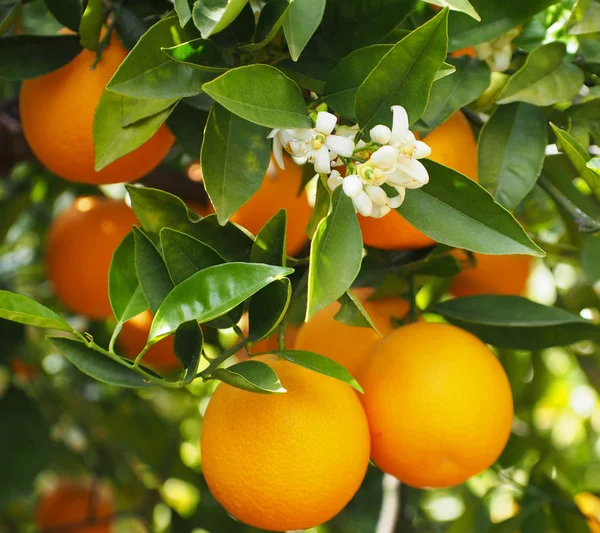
<point>391,158</point>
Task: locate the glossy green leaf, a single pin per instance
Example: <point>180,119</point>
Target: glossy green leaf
<point>352,24</point>
<point>308,72</point>
<point>269,23</point>
<point>90,26</point>
<point>148,72</point>
<point>184,11</point>
<point>348,75</point>
<point>335,254</point>
<point>517,323</point>
<point>135,109</point>
<point>211,293</point>
<point>126,296</point>
<point>545,78</point>
<point>267,309</point>
<point>469,81</point>
<point>213,16</point>
<point>261,94</point>
<point>22,309</point>
<point>511,152</point>
<point>303,19</point>
<point>454,210</point>
<point>228,240</point>
<point>269,246</point>
<point>252,376</point>
<point>404,76</point>
<point>585,18</point>
<point>594,165</point>
<point>187,124</point>
<point>29,56</point>
<point>152,272</point>
<point>590,257</point>
<point>235,156</point>
<point>353,313</point>
<point>130,27</point>
<point>445,70</point>
<point>111,140</point>
<point>185,255</point>
<point>67,12</point>
<point>201,54</point>
<point>96,365</point>
<point>496,18</point>
<point>188,348</point>
<point>462,6</point>
<point>321,364</point>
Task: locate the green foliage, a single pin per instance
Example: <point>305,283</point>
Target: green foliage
<point>253,376</point>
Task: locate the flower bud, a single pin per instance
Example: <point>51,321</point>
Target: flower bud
<point>381,134</point>
<point>353,185</point>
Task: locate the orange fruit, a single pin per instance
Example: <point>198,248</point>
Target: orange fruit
<point>285,461</point>
<point>493,274</point>
<point>132,341</point>
<point>452,144</point>
<point>76,507</point>
<point>271,343</point>
<point>23,371</point>
<point>79,249</point>
<point>468,51</point>
<point>280,189</point>
<point>346,345</point>
<point>57,115</point>
<point>438,402</point>
<point>589,505</point>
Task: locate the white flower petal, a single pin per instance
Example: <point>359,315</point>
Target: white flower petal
<point>340,145</point>
<point>379,211</point>
<point>335,180</point>
<point>415,175</point>
<point>322,160</point>
<point>353,185</point>
<point>273,133</point>
<point>300,160</point>
<point>399,123</point>
<point>381,134</point>
<point>278,151</point>
<point>363,204</point>
<point>502,59</point>
<point>325,122</point>
<point>385,158</point>
<point>396,201</point>
<point>421,150</point>
<point>377,194</point>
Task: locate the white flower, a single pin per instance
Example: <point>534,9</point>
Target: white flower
<point>317,145</point>
<point>334,180</point>
<point>498,52</point>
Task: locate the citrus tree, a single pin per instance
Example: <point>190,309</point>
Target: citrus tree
<point>326,265</point>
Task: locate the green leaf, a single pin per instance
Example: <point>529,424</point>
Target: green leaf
<point>352,313</point>
<point>136,109</point>
<point>185,255</point>
<point>269,246</point>
<point>448,95</point>
<point>22,309</point>
<point>454,210</point>
<point>308,72</point>
<point>590,257</point>
<point>111,140</point>
<point>444,71</point>
<point>211,293</point>
<point>335,254</point>
<point>404,76</point>
<point>213,16</point>
<point>228,240</point>
<point>545,78</point>
<point>96,365</point>
<point>269,23</point>
<point>201,54</point>
<point>348,75</point>
<point>184,12</point>
<point>594,165</point>
<point>511,152</point>
<point>188,348</point>
<point>352,24</point>
<point>90,26</point>
<point>235,156</point>
<point>187,124</point>
<point>462,6</point>
<point>67,12</point>
<point>126,297</point>
<point>585,18</point>
<point>321,364</point>
<point>152,272</point>
<point>29,56</point>
<point>261,94</point>
<point>148,72</point>
<point>577,155</point>
<point>252,376</point>
<point>267,309</point>
<point>303,19</point>
<point>130,27</point>
<point>496,18</point>
<point>516,323</point>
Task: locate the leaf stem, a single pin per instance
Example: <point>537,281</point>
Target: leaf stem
<point>205,374</point>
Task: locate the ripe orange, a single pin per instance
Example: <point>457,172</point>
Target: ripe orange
<point>57,114</point>
<point>280,189</point>
<point>76,507</point>
<point>452,144</point>
<point>286,461</point>
<point>468,51</point>
<point>493,274</point>
<point>438,402</point>
<point>271,343</point>
<point>132,340</point>
<point>79,250</point>
<point>346,345</point>
<point>589,505</point>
